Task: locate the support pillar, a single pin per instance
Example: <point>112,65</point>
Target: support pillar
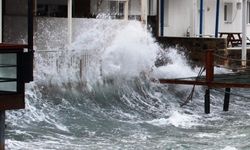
<point>162,17</point>
<point>2,130</point>
<point>209,65</point>
<point>207,101</point>
<point>144,11</point>
<point>126,10</point>
<point>244,30</point>
<point>226,99</point>
<point>70,21</point>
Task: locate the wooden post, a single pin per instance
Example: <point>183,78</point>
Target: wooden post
<point>209,64</point>
<point>207,101</point>
<point>2,128</point>
<point>226,99</point>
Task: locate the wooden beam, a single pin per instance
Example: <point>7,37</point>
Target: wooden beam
<point>204,83</point>
<point>11,101</point>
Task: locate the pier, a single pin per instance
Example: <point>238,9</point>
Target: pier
<point>212,81</point>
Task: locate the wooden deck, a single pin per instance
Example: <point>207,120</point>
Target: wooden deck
<point>237,80</point>
<point>213,81</point>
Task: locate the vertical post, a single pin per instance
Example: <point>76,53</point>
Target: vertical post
<point>2,129</point>
<point>226,99</point>
<point>201,18</point>
<point>30,24</point>
<point>144,8</point>
<point>209,77</point>
<point>244,37</point>
<point>126,10</point>
<point>207,101</point>
<point>69,21</point>
<point>29,57</point>
<point>217,18</point>
<point>209,66</point>
<point>162,17</point>
<point>158,18</point>
<point>194,21</point>
<point>1,22</point>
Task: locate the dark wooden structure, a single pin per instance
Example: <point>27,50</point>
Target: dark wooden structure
<point>212,81</point>
<point>16,69</point>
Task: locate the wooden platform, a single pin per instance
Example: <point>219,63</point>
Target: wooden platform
<point>213,81</point>
<point>237,80</point>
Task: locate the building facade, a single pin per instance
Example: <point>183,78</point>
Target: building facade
<point>182,17</point>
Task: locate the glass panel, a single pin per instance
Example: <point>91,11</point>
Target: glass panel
<point>8,86</point>
<point>8,72</point>
<point>8,59</point>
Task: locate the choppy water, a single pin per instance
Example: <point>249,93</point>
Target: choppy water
<point>115,105</point>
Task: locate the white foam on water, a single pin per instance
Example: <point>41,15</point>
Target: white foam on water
<point>177,119</point>
<point>229,148</point>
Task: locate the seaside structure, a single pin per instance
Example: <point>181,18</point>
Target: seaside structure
<point>16,60</point>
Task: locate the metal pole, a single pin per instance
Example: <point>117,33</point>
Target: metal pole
<point>201,18</point>
<point>2,129</point>
<point>244,37</point>
<point>30,55</point>
<point>226,99</point>
<point>217,18</point>
<point>207,101</point>
<point>30,24</point>
<point>70,21</point>
<point>162,17</point>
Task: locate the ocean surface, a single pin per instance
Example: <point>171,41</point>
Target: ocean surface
<point>97,94</point>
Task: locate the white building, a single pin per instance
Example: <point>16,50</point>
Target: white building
<point>177,18</point>
<point>182,17</point>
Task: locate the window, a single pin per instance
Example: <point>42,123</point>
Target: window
<point>8,72</point>
<point>117,9</point>
<point>52,8</point>
<point>228,12</point>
